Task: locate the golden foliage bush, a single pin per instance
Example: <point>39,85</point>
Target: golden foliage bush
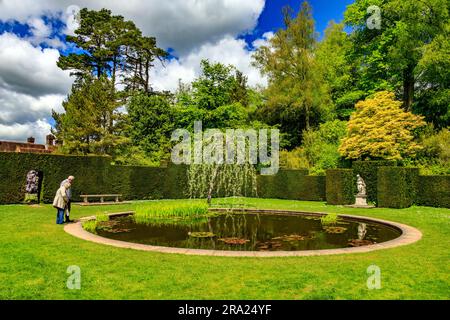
<point>381,129</point>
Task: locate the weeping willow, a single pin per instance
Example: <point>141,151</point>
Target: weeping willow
<point>221,180</point>
<point>219,177</point>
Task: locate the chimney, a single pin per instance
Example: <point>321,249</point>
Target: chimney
<point>50,140</point>
<point>31,140</point>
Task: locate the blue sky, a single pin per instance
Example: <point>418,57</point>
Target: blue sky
<point>323,11</point>
<point>32,37</point>
<point>269,20</point>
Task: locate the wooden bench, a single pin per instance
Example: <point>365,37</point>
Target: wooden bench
<point>101,197</point>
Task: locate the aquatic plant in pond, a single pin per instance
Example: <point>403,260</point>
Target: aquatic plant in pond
<point>167,213</point>
<point>329,219</point>
<point>335,230</point>
<point>234,241</point>
<point>201,234</point>
<point>92,225</point>
<point>173,222</point>
<point>103,217</point>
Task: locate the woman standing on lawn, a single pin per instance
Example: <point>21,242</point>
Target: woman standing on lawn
<point>60,202</point>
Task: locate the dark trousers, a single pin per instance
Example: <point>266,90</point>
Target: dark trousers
<point>60,216</point>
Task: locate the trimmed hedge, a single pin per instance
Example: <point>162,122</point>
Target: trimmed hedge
<point>93,175</point>
<point>293,185</point>
<point>368,170</point>
<point>341,187</point>
<point>313,188</point>
<point>15,166</point>
<point>397,187</point>
<point>280,186</point>
<point>135,183</point>
<point>434,191</point>
<point>96,175</point>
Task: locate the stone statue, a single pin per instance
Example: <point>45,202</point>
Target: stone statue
<point>32,182</point>
<point>361,199</point>
<point>362,188</point>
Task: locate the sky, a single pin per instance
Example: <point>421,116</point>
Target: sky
<point>32,38</point>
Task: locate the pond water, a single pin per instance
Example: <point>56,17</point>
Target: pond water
<point>250,232</point>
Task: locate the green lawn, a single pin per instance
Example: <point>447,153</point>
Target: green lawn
<point>35,254</point>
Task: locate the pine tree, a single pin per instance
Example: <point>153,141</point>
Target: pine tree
<point>91,123</point>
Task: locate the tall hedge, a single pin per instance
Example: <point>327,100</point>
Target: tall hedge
<point>434,191</point>
<point>15,166</point>
<point>93,175</point>
<point>136,183</point>
<point>341,187</point>
<point>283,185</point>
<point>313,188</point>
<point>293,185</point>
<point>397,187</point>
<point>368,170</point>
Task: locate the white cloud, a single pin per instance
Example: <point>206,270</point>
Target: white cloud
<point>30,70</point>
<point>179,24</point>
<point>39,28</point>
<point>22,108</point>
<point>264,40</point>
<point>20,132</point>
<point>41,33</point>
<point>31,85</point>
<point>227,50</point>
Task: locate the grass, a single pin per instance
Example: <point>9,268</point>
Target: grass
<point>331,218</point>
<point>91,225</point>
<point>35,254</point>
<point>169,213</point>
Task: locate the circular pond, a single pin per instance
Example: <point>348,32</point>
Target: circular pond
<point>268,232</point>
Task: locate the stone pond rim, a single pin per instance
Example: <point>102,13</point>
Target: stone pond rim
<point>409,235</point>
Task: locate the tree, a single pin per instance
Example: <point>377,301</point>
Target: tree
<point>152,122</point>
<point>240,90</point>
<point>381,129</point>
<point>108,44</point>
<point>321,146</point>
<point>109,50</point>
<point>391,54</point>
<point>434,101</point>
<point>99,37</point>
<point>91,123</point>
<point>140,56</point>
<point>297,96</point>
<point>339,69</point>
<point>217,86</point>
<point>219,97</point>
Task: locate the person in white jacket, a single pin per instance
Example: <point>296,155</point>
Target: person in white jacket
<point>60,202</point>
<point>69,195</point>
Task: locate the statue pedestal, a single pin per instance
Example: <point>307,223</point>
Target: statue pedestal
<point>361,202</point>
